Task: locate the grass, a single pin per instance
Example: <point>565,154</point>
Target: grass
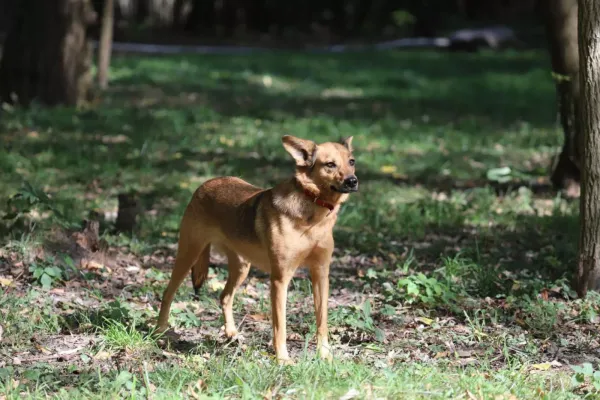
<point>444,284</point>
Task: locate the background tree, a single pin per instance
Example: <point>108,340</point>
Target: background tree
<point>46,55</point>
<point>588,274</point>
<point>105,45</point>
<point>560,20</point>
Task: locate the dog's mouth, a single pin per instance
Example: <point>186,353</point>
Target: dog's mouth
<point>344,189</point>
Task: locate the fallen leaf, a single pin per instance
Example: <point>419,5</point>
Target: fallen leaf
<point>471,395</point>
<point>426,321</point>
<point>350,394</point>
<point>542,366</point>
<point>388,169</point>
<point>464,353</point>
<point>546,366</point>
<point>42,349</point>
<point>215,285</point>
<point>102,355</point>
<point>132,268</point>
<point>94,265</point>
<point>259,317</point>
<point>5,282</point>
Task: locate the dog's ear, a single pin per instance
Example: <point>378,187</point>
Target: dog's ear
<point>303,151</point>
<point>347,142</point>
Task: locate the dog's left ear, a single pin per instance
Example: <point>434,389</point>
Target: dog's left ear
<point>348,143</point>
<point>303,151</point>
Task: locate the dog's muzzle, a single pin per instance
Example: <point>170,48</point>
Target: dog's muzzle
<point>350,185</point>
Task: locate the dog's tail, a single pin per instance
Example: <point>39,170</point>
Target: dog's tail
<point>200,270</point>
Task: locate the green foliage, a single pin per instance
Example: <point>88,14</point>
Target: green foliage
<point>118,335</point>
<point>420,288</point>
<point>27,199</point>
<point>403,18</point>
<point>542,317</point>
<point>47,274</point>
<point>186,317</point>
<point>586,373</point>
<point>360,318</point>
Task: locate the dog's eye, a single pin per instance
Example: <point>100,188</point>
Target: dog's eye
<point>351,162</point>
<point>330,165</point>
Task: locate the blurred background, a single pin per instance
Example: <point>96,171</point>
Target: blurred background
<point>299,23</point>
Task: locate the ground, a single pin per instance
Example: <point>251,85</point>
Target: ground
<point>452,268</point>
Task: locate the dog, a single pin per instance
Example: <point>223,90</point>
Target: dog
<point>277,230</point>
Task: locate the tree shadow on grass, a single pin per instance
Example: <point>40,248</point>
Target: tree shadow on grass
<point>366,86</point>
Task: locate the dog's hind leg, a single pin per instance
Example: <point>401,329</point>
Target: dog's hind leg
<point>200,270</point>
<point>191,246</point>
<point>238,272</point>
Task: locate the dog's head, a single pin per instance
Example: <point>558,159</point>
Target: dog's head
<point>328,166</point>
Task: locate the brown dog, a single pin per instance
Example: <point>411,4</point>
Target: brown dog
<point>276,230</point>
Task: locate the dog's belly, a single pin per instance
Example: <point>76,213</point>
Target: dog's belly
<point>254,254</point>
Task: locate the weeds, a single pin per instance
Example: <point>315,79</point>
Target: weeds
<point>442,286</point>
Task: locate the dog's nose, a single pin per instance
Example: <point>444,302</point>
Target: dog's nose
<point>351,181</point>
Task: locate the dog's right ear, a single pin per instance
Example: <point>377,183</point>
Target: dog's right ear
<point>302,150</point>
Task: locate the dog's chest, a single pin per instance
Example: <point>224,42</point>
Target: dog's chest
<point>302,239</point>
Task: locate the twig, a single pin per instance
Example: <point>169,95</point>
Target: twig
<point>55,355</point>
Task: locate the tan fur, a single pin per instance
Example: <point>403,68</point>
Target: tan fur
<point>277,230</point>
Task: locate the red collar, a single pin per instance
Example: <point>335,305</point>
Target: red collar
<point>318,201</point>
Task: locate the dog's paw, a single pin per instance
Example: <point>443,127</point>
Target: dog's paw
<point>285,360</point>
<point>231,333</point>
<point>166,335</point>
<point>162,331</point>
<point>325,354</point>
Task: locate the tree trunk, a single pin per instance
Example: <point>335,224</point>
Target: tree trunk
<point>560,19</point>
<point>105,45</point>
<point>46,54</point>
<point>201,17</point>
<point>588,274</point>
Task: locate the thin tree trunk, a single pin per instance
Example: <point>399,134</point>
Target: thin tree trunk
<point>46,55</point>
<point>588,274</point>
<point>105,45</point>
<point>560,20</point>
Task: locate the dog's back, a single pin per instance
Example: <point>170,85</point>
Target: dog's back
<point>226,210</point>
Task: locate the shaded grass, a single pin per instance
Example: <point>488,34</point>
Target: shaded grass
<point>427,127</point>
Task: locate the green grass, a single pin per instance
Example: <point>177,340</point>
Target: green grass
<point>441,285</point>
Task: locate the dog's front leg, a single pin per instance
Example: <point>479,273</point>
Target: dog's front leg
<point>319,274</point>
<point>279,288</point>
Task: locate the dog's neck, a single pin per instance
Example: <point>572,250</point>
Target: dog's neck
<point>296,197</point>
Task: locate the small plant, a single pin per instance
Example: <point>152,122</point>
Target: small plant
<point>186,317</point>
<point>29,198</point>
<point>585,372</point>
<point>46,274</point>
<point>118,335</point>
<point>541,317</point>
<point>361,319</point>
<point>427,290</point>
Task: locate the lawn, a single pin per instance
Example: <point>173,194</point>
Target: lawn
<point>445,283</point>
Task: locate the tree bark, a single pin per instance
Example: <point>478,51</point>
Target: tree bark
<point>560,20</point>
<point>588,273</point>
<point>46,54</point>
<point>105,45</point>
